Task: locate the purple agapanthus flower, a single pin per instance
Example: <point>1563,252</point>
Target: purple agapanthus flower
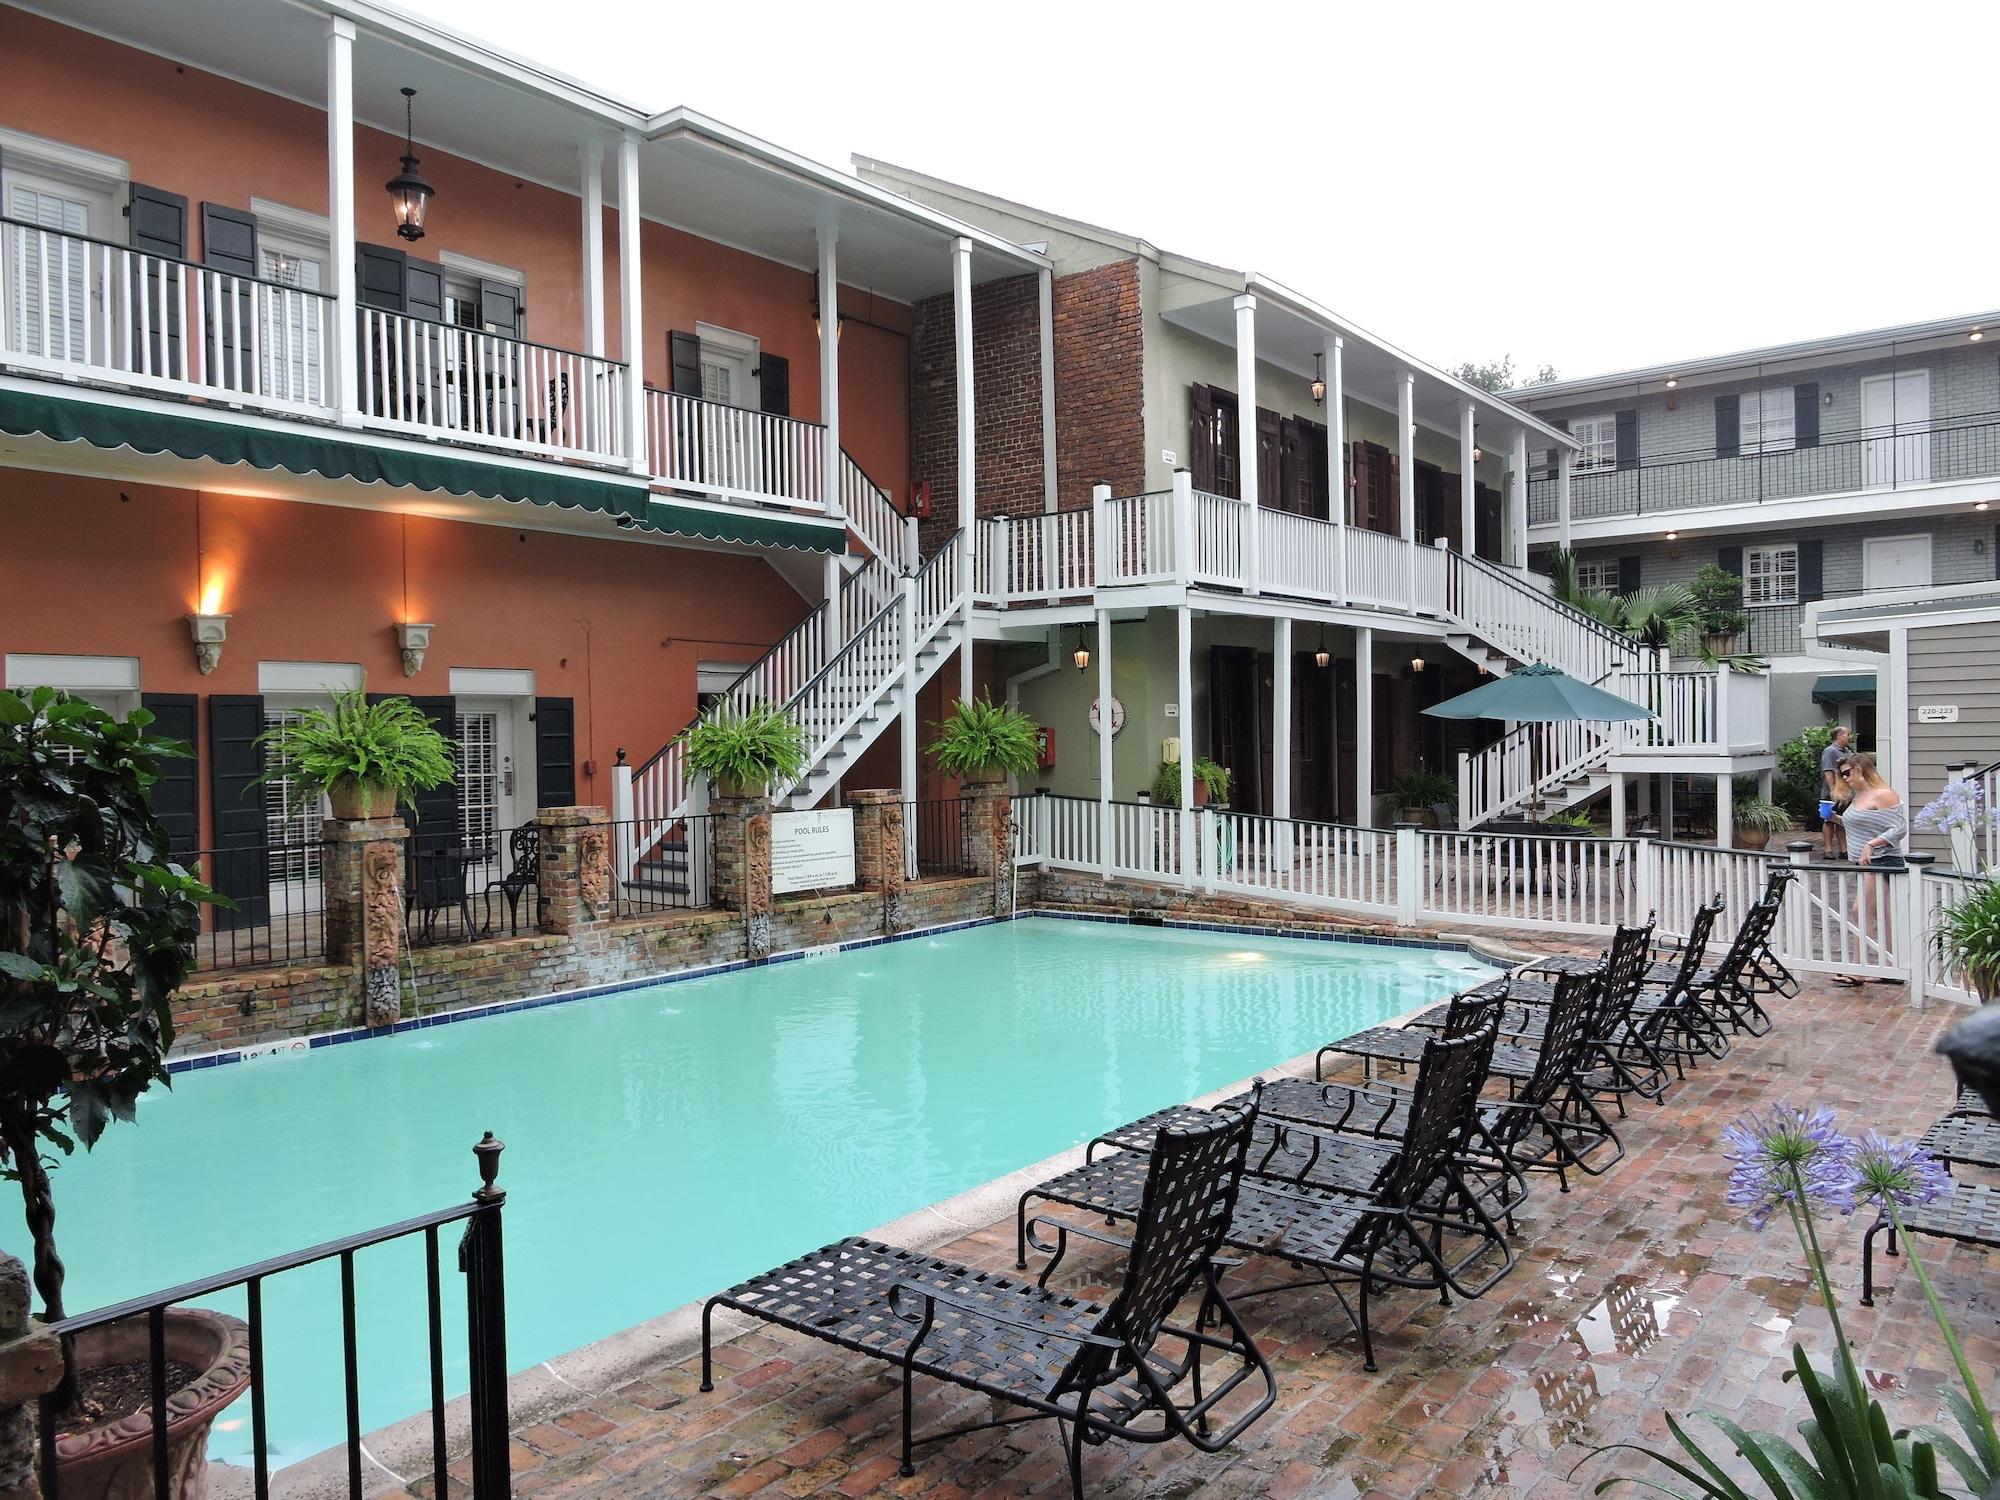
<point>1785,1154</point>
<point>1899,1172</point>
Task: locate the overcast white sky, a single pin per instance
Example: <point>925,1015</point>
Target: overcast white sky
<point>1597,186</point>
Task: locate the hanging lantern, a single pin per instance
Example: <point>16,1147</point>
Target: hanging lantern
<point>1318,388</point>
<point>1322,656</point>
<point>1081,656</point>
<point>407,189</point>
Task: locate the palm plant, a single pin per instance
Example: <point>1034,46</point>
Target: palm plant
<point>1660,616</point>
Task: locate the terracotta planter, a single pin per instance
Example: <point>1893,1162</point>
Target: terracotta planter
<point>1419,815</point>
<point>1200,792</point>
<point>737,791</point>
<point>1984,983</point>
<point>115,1461</point>
<point>1720,642</point>
<point>356,801</point>
<point>1745,837</point>
<point>984,776</point>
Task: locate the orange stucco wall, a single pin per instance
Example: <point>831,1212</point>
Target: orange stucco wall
<point>218,141</point>
<point>93,567</point>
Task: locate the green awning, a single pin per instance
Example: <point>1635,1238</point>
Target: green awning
<point>1844,687</point>
<point>67,419</point>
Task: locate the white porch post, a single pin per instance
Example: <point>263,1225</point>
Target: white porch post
<point>345,345</point>
<point>1517,514</point>
<point>908,750</point>
<point>1618,804</point>
<point>1104,743</point>
<point>1406,464</point>
<point>1468,507</point>
<point>1892,735</point>
<point>593,248</point>
<point>1725,810</point>
<point>1764,778</point>
<point>1563,462</point>
<point>829,415</point>
<point>1184,687</point>
<point>1364,727</point>
<point>1046,286</point>
<point>631,315</point>
<point>961,308</point>
<point>1246,432</point>
<point>1336,459</point>
<point>1281,717</point>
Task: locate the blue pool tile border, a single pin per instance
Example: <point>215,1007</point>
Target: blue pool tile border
<point>199,1061</point>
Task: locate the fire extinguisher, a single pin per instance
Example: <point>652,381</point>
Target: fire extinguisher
<point>1045,746</point>
<point>920,499</point>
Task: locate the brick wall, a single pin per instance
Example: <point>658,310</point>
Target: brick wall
<point>1080,890</point>
<point>1100,383</point>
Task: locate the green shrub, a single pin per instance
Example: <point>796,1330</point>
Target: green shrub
<point>1717,599</point>
<point>389,743</point>
<point>981,735</point>
<point>749,749</point>
<point>1967,936</point>
<point>1797,786</point>
<point>1422,788</point>
<point>1765,817</point>
<point>1167,785</point>
<point>1212,776</point>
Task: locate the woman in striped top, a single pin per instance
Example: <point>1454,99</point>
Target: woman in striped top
<point>1876,825</point>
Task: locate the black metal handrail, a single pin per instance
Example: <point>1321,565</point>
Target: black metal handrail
<point>479,1259</point>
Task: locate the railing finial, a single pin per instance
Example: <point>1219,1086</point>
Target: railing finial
<point>487,1153</point>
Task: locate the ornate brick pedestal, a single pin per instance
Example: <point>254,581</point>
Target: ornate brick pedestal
<point>879,860</point>
<point>992,839</point>
<point>30,1366</point>
<point>575,880</point>
<point>362,893</point>
<point>743,866</point>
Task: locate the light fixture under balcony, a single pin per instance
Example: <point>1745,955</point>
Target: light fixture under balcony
<point>1979,505</point>
<point>208,632</point>
<point>1081,656</point>
<point>413,640</point>
<point>1318,386</point>
<point>1673,536</point>
<point>1416,664</point>
<point>1672,381</point>
<point>1976,335</point>
<point>407,189</point>
<point>1476,454</point>
<point>1322,656</point>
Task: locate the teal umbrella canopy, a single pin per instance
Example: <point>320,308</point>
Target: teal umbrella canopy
<point>1539,694</point>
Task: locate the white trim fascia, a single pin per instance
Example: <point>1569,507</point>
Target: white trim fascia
<point>484,270</point>
<point>1809,510</point>
<point>88,674</point>
<point>307,676</point>
<point>284,219</point>
<point>96,170</point>
<point>491,682</point>
<point>1112,239</point>
<point>1954,603</point>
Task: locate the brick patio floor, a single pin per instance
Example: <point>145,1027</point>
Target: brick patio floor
<point>1636,1294</point>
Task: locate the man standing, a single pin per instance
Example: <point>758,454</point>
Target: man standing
<point>1832,843</point>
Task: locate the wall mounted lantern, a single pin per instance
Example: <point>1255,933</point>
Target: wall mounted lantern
<point>208,632</point>
<point>407,189</point>
<point>413,639</point>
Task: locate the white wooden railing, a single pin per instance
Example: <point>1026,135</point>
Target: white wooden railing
<point>1298,555</point>
<point>871,515</point>
<point>829,705</point>
<point>1520,621</point>
<point>1529,881</point>
<point>937,587</point>
<point>1218,540</point>
<point>733,453</point>
<point>77,307</point>
<point>1502,777</point>
<point>1035,559</point>
<point>1135,539</point>
<point>1378,569</point>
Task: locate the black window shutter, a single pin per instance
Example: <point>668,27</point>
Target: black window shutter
<point>1730,559</point>
<point>423,289</point>
<point>1201,437</point>
<point>177,793</point>
<point>1728,426</point>
<point>157,221</point>
<point>1628,575</point>
<point>437,809</point>
<point>500,304</point>
<point>1319,498</point>
<point>381,273</point>
<point>555,752</point>
<point>157,224</point>
<point>1805,414</point>
<point>1270,470</point>
<point>1812,570</point>
<point>229,244</point>
<point>774,384</point>
<point>241,865</point>
<point>684,356</point>
<point>1627,425</point>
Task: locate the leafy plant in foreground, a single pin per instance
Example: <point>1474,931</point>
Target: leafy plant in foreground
<point>980,735</point>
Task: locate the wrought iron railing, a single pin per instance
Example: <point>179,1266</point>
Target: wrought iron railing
<point>479,1261</point>
<point>671,868</point>
<point>940,833</point>
<point>460,885</point>
<point>271,912</point>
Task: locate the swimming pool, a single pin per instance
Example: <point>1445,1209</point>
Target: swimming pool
<point>664,1142</point>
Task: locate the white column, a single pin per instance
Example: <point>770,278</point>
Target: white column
<point>1246,432</point>
<point>961,308</point>
<point>1517,510</point>
<point>1184,687</point>
<point>1104,742</point>
<point>1406,465</point>
<point>1047,288</point>
<point>1281,717</point>
<point>1725,809</point>
<point>593,248</point>
<point>345,343</point>
<point>1468,506</point>
<point>1364,727</point>
<point>1336,457</point>
<point>1618,804</point>
<point>1892,714</point>
<point>1563,463</point>
<point>1183,491</point>
<point>908,705</point>
<point>829,416</point>
<point>1764,778</point>
<point>631,313</point>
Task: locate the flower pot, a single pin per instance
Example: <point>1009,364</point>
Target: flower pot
<point>733,790</point>
<point>356,801</point>
<point>114,1461</point>
<point>984,776</point>
<point>1746,837</point>
<point>1200,792</point>
<point>1719,642</point>
<point>1419,815</point>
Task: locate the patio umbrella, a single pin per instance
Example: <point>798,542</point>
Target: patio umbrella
<point>1539,694</point>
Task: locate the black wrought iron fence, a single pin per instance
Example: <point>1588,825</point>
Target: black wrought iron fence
<point>459,886</point>
<point>658,868</point>
<point>479,1262</point>
<point>272,909</point>
<point>940,832</point>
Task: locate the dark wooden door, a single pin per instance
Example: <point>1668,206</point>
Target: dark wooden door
<point>1346,744</point>
<point>1315,767</point>
<point>1233,724</point>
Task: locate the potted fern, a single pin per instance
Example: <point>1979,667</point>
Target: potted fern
<point>365,757</point>
<point>745,751</point>
<point>1757,821</point>
<point>983,742</point>
<point>1211,783</point>
<point>1967,938</point>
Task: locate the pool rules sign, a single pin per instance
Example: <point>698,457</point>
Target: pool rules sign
<point>811,850</point>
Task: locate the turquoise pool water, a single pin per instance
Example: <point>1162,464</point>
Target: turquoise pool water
<point>667,1141</point>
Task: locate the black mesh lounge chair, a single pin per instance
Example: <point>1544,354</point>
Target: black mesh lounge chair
<point>1964,1140</point>
<point>1728,992</point>
<point>1417,1225</point>
<point>1101,1370</point>
<point>1970,1214</point>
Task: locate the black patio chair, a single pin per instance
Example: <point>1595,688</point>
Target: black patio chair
<point>435,882</point>
<point>1970,1214</point>
<point>1101,1369</point>
<point>1971,1140</point>
<point>1417,1224</point>
<point>523,876</point>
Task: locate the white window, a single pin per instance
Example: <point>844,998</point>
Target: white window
<point>1599,437</point>
<point>479,788</point>
<point>294,326</point>
<point>1771,575</point>
<point>1767,420</point>
<point>1598,573</point>
<point>54,194</point>
<point>291,821</point>
<point>728,366</point>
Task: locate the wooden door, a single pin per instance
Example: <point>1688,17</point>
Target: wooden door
<point>1314,764</point>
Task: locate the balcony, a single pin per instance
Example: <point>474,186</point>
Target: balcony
<point>1904,456</point>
